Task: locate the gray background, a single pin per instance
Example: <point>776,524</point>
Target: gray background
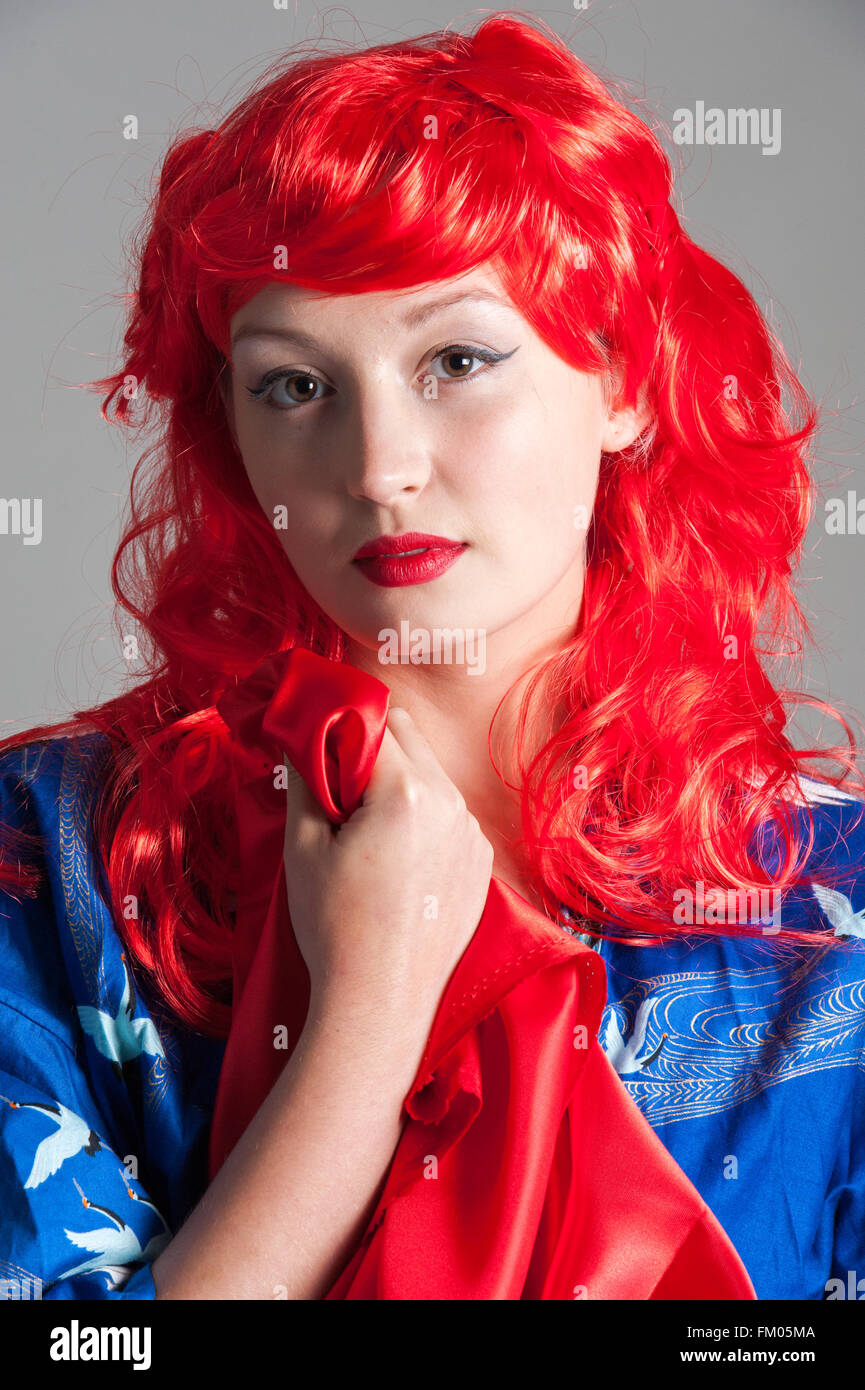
<point>791,225</point>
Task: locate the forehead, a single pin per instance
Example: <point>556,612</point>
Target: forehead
<point>281,301</point>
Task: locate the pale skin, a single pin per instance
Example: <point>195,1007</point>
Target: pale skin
<point>500,462</point>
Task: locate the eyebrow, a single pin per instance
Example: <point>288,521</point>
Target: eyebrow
<point>412,318</point>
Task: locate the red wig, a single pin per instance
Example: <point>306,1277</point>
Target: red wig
<point>383,169</point>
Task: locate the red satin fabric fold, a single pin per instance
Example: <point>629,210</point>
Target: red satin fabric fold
<point>524,1170</point>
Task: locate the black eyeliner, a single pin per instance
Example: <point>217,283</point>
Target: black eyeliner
<point>482,354</point>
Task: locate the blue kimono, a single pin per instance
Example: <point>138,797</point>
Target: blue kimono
<point>746,1057</point>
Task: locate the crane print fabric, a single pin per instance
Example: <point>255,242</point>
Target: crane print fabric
<point>104,1105</point>
<point>746,1058</point>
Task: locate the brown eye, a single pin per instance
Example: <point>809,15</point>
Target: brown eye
<point>458,362</point>
<point>458,359</point>
<point>304,385</point>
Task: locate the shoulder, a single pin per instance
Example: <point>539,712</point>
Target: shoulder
<point>827,826</point>
<point>30,772</point>
<point>765,994</point>
<point>47,789</point>
<point>760,1035</point>
<point>833,894</point>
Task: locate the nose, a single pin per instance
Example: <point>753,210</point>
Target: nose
<point>387,451</point>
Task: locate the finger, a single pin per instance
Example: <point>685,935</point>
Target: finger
<point>403,749</point>
<point>413,742</point>
<point>306,824</point>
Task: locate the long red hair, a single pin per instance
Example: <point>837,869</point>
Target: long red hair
<point>382,169</point>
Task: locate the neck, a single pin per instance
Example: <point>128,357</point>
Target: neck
<point>454,710</point>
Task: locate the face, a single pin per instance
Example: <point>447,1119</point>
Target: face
<point>436,410</point>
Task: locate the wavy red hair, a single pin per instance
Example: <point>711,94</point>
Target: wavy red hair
<point>386,168</point>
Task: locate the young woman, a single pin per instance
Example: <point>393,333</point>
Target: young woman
<point>431,354</point>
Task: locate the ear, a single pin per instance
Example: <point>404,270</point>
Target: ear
<point>624,424</point>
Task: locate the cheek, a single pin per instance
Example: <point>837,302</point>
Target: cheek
<point>534,470</point>
<point>281,489</point>
<point>259,464</point>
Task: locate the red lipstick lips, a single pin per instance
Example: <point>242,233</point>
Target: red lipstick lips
<point>413,558</point>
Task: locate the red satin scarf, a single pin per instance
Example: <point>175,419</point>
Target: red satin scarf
<point>547,1183</point>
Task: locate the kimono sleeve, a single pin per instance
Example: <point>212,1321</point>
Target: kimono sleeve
<point>847,1275</point>
<point>75,1223</point>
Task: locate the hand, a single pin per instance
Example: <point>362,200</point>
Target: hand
<point>384,905</point>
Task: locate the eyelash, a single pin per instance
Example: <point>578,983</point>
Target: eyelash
<point>261,392</point>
